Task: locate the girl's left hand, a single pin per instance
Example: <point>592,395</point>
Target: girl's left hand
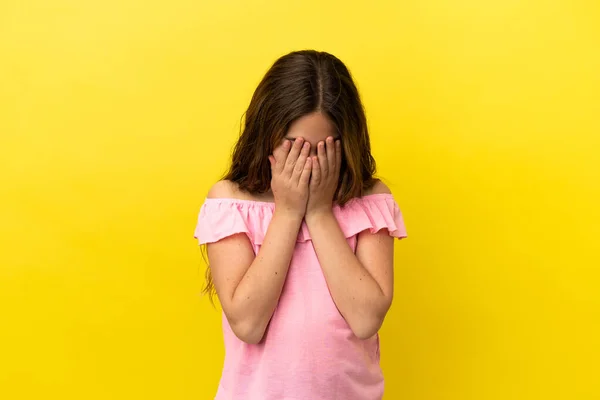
<point>325,176</point>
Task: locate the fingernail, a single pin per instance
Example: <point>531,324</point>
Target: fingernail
<point>306,145</point>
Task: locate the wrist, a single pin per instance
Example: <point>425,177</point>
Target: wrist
<point>288,215</point>
<point>318,214</point>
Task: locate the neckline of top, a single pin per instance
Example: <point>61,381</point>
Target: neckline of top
<point>270,203</point>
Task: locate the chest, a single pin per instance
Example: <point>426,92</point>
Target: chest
<point>305,299</point>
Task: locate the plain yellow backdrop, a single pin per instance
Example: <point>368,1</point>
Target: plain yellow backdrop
<point>116,116</point>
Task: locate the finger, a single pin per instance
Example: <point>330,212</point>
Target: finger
<point>338,156</point>
<point>306,172</point>
<point>280,155</point>
<point>292,157</point>
<point>272,162</point>
<point>315,175</point>
<point>331,160</point>
<point>322,155</point>
<point>299,166</point>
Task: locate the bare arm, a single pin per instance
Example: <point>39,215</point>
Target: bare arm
<point>249,287</point>
<point>361,284</point>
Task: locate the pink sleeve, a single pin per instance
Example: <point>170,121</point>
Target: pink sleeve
<point>373,213</point>
<point>218,220</point>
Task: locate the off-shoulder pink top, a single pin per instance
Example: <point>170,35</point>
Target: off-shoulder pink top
<point>309,351</point>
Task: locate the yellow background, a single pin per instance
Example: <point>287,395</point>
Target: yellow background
<point>116,116</point>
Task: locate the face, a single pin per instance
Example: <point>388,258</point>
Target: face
<point>313,128</point>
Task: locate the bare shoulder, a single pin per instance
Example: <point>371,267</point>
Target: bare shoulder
<point>230,190</point>
<point>379,188</point>
<point>223,190</point>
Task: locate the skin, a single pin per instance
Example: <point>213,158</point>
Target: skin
<point>305,171</point>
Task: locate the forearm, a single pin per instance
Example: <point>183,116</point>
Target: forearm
<point>257,294</point>
<point>355,292</point>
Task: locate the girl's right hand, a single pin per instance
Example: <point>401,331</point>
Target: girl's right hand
<point>290,176</point>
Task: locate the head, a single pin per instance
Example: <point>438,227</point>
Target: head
<point>307,94</point>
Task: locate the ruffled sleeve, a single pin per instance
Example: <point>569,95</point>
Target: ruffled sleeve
<point>220,218</point>
<point>373,213</point>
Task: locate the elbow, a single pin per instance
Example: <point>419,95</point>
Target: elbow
<point>368,324</point>
<point>367,328</point>
<point>248,331</point>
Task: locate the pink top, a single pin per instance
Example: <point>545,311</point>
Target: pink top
<point>309,351</point>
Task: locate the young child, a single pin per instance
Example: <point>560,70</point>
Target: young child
<point>299,239</point>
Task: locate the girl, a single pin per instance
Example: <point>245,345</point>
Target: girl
<point>299,237</point>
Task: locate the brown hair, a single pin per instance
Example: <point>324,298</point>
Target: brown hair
<point>300,83</point>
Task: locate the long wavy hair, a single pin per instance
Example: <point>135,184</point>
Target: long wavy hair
<point>300,83</point>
